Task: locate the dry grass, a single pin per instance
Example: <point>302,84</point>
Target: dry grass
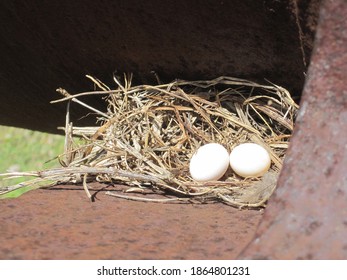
<point>147,134</point>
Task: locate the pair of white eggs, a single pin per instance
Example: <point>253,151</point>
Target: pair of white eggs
<point>211,161</point>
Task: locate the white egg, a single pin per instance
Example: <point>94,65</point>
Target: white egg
<point>250,160</point>
<point>209,163</point>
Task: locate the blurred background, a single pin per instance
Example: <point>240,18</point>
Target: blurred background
<point>27,150</point>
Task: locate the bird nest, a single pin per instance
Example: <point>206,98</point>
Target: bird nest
<point>147,134</point>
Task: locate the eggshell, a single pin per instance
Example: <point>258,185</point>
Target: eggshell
<point>209,163</point>
<point>250,160</point>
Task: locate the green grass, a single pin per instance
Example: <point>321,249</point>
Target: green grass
<point>26,150</point>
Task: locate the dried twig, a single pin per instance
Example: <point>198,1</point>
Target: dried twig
<point>146,199</point>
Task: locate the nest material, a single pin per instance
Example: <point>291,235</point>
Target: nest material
<point>148,134</point>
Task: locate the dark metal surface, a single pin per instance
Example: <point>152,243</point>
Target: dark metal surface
<point>307,217</point>
<point>55,44</point>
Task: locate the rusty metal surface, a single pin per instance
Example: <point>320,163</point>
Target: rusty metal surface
<point>63,224</point>
<point>307,217</point>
